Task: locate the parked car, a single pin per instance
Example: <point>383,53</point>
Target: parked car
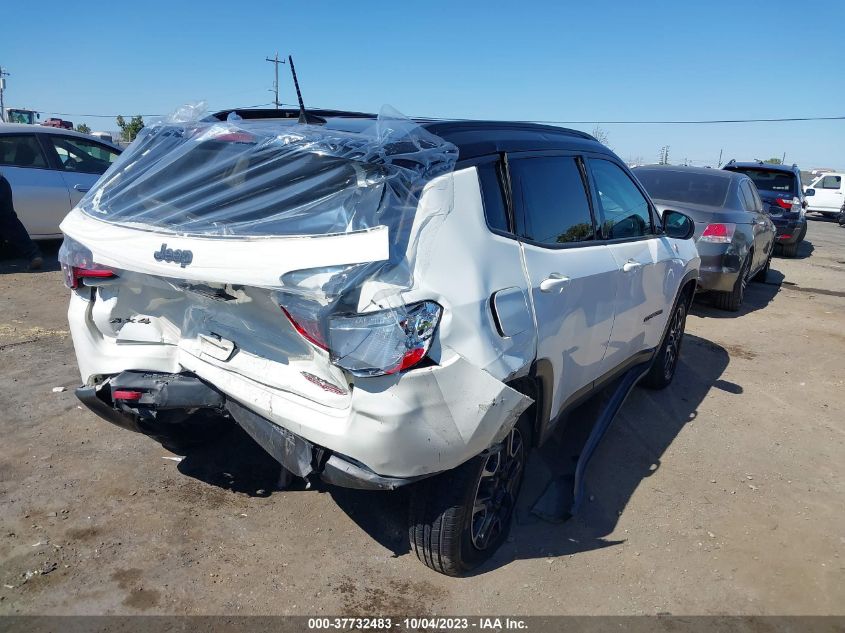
<point>378,302</point>
<point>50,169</point>
<point>826,194</point>
<point>734,235</point>
<point>783,199</point>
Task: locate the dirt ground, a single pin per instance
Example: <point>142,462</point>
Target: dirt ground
<point>723,494</point>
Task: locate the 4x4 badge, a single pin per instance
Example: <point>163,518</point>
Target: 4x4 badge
<point>177,256</point>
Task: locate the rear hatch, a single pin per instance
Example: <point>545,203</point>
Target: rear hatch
<point>228,244</point>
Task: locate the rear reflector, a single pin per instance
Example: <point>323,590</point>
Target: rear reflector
<point>74,276</point>
<point>122,394</point>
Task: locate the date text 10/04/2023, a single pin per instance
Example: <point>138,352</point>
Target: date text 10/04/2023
<point>415,623</point>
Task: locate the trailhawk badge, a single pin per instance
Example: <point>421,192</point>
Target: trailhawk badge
<point>177,256</point>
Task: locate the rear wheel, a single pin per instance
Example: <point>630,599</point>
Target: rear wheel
<point>789,250</point>
<point>764,271</point>
<point>665,362</point>
<point>459,519</point>
<point>732,300</point>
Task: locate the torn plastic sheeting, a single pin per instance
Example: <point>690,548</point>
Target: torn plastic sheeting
<point>269,177</point>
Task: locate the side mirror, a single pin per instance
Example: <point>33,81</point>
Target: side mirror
<point>678,225</point>
<point>809,192</point>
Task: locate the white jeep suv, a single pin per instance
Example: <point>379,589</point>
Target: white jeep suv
<point>377,301</point>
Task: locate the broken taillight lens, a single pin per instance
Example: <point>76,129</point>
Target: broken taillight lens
<point>375,343</point>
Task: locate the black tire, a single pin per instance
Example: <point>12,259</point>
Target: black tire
<point>764,271</point>
<point>443,530</point>
<point>732,301</point>
<point>789,250</point>
<point>665,362</point>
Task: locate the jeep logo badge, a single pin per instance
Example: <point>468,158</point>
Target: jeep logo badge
<point>177,256</point>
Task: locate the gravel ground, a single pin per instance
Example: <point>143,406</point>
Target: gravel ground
<point>721,495</point>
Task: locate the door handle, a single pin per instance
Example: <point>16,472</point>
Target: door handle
<point>630,265</point>
<point>81,188</point>
<point>555,281</point>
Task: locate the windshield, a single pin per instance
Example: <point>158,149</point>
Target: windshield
<point>685,186</point>
<point>769,180</point>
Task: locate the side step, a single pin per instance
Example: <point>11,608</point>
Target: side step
<point>563,497</point>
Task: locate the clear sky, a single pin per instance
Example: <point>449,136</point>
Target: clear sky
<point>595,60</point>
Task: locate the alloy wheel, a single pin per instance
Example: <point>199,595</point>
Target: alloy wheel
<point>498,485</point>
<point>673,342</point>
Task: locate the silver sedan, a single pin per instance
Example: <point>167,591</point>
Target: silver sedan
<point>49,170</point>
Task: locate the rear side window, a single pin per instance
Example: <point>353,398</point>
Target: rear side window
<point>625,210</point>
<point>493,196</point>
<point>829,182</point>
<point>21,150</point>
<point>551,200</point>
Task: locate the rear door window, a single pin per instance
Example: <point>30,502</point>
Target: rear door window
<point>21,150</point>
<point>745,196</point>
<point>625,211</point>
<point>550,197</point>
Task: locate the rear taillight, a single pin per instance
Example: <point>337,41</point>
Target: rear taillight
<point>790,205</point>
<point>718,232</point>
<point>375,343</point>
<point>308,327</point>
<point>75,276</point>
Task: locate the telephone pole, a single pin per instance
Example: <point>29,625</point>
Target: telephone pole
<point>276,61</point>
<point>3,75</point>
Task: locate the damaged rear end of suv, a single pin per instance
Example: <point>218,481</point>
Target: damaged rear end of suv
<point>272,273</point>
<point>376,301</point>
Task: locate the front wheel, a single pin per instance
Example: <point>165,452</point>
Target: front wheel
<point>665,362</point>
<point>459,518</point>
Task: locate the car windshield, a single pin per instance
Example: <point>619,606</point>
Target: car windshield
<point>685,186</point>
<point>770,180</point>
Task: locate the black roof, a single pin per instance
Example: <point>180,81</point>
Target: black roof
<point>473,138</point>
<point>759,164</point>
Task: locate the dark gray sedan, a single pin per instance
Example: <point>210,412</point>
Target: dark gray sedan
<point>734,235</point>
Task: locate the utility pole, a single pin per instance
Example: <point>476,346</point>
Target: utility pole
<point>720,158</point>
<point>3,74</point>
<point>276,61</point>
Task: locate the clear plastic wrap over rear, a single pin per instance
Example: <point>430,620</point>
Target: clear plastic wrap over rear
<point>270,177</point>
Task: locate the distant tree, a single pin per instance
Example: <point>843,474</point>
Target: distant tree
<point>129,130</point>
<point>600,135</point>
<point>83,128</point>
<point>773,161</point>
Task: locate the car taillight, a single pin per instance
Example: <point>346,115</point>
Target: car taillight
<point>718,232</point>
<point>308,327</point>
<point>375,343</point>
<point>789,205</point>
<point>75,275</point>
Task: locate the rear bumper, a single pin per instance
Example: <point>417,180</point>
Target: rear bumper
<point>295,453</point>
<point>403,426</point>
<point>720,266</point>
<point>790,231</point>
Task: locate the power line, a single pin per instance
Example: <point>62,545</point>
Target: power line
<point>114,116</point>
